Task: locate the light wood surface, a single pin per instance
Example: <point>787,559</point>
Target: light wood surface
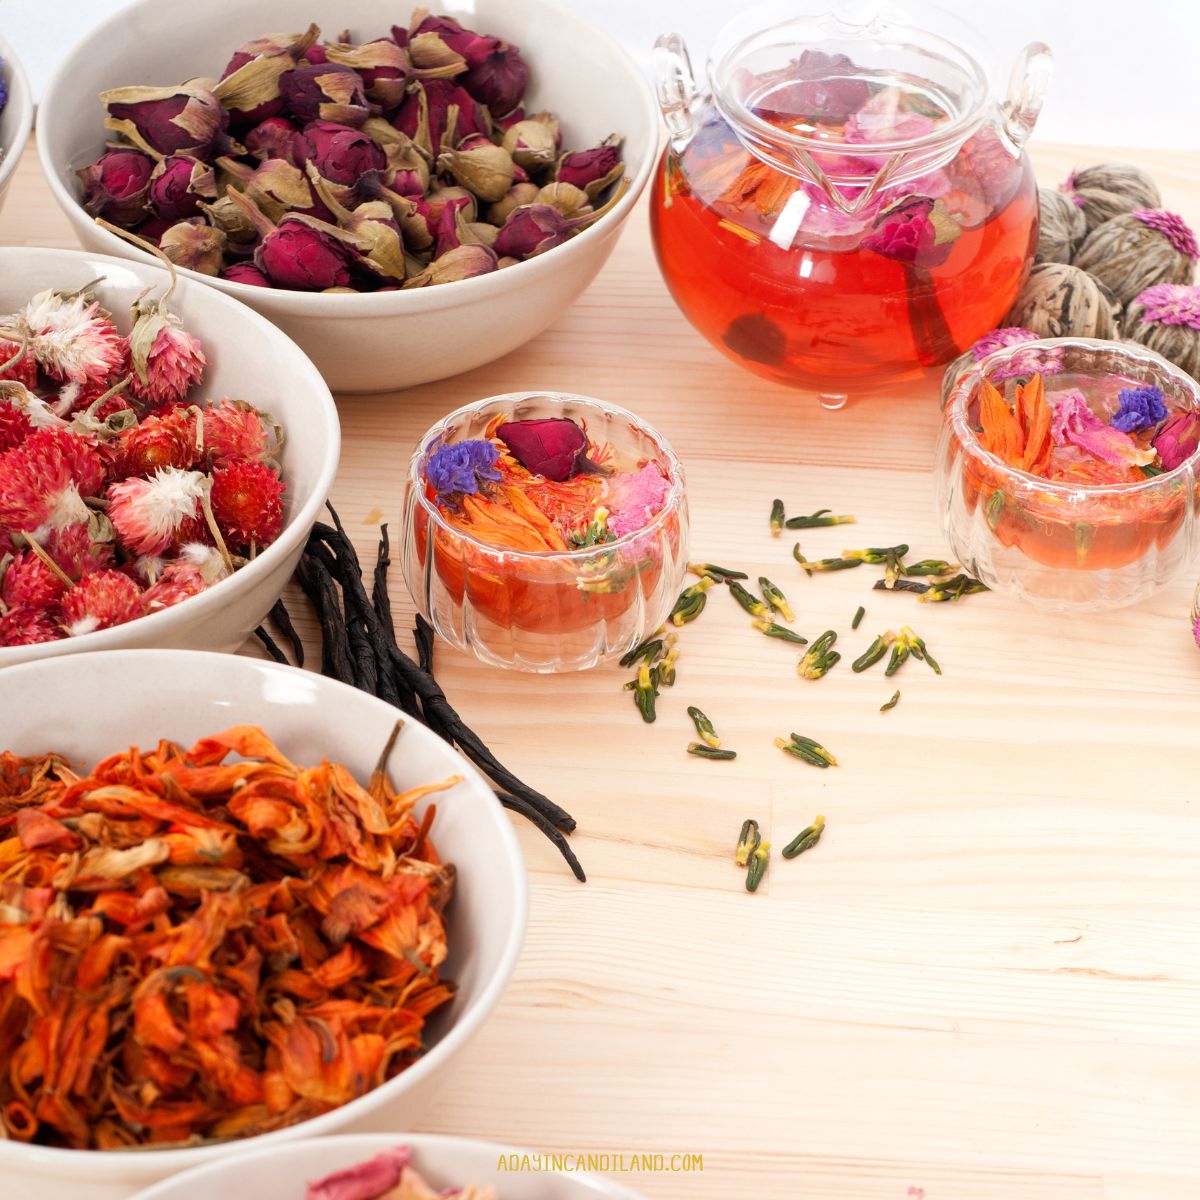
<point>985,982</point>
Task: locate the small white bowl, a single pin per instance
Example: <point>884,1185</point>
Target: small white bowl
<point>16,119</point>
<point>281,1173</point>
<point>248,359</point>
<point>97,704</point>
<point>388,340</point>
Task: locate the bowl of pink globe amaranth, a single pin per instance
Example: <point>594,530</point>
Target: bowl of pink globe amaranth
<point>406,204</point>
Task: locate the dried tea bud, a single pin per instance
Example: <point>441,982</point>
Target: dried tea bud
<point>187,119</point>
<point>497,74</point>
<point>338,153</point>
<point>593,170</point>
<point>483,168</point>
<point>116,186</point>
<point>1060,300</point>
<point>226,216</point>
<point>463,262</point>
<point>327,92</point>
<point>517,195</point>
<point>426,114</point>
<point>1108,190</point>
<point>1061,226</point>
<point>532,229</point>
<point>1166,318</point>
<point>246,273</point>
<point>566,197</point>
<point>272,138</point>
<point>250,87</point>
<point>178,186</point>
<point>1136,250</point>
<point>298,256</point>
<point>194,245</point>
<point>532,143</point>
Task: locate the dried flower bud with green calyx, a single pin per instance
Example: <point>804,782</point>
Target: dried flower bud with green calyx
<point>1166,319</point>
<point>691,603</point>
<point>1061,226</point>
<point>463,262</point>
<point>484,169</point>
<point>516,196</point>
<point>750,602</point>
<point>700,750</point>
<point>777,516</point>
<point>814,747</point>
<point>782,632</point>
<point>775,598</point>
<point>821,519</point>
<point>873,653</point>
<point>325,92</point>
<point>1136,250</point>
<point>645,692</point>
<point>649,650</point>
<point>386,68</point>
<point>820,657</point>
<point>226,216</point>
<point>890,704</point>
<point>430,53</point>
<point>748,841</point>
<point>195,245</point>
<point>274,187</point>
<point>1109,189</point>
<point>758,865</point>
<point>712,571</point>
<point>704,727</point>
<point>179,185</point>
<point>533,143</point>
<point>535,228</point>
<point>566,197</point>
<point>251,90</point>
<point>1060,300</point>
<point>806,839</point>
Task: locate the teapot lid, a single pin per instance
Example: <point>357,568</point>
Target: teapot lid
<point>856,97</point>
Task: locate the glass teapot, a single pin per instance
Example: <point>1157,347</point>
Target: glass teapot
<point>847,206</point>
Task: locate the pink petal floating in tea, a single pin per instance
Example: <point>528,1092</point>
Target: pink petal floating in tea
<point>882,119</point>
<point>1074,422</point>
<point>1178,439</point>
<point>636,499</point>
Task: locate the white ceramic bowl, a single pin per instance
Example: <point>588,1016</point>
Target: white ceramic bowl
<point>16,119</point>
<point>390,340</point>
<point>280,1173</point>
<point>248,359</point>
<point>95,704</point>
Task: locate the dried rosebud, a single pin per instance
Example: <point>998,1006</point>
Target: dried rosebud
<point>173,120</point>
<point>327,92</point>
<point>373,233</point>
<point>566,197</point>
<point>428,109</point>
<point>483,168</point>
<point>275,187</point>
<point>916,230</point>
<point>246,273</point>
<point>497,75</point>
<point>507,121</point>
<point>407,169</point>
<point>1178,439</point>
<point>179,184</point>
<point>440,196</point>
<point>533,143</point>
<point>553,447</point>
<point>272,138</point>
<point>516,196</point>
<point>250,86</point>
<point>338,153</point>
<point>295,255</point>
<point>533,229</point>
<point>152,229</point>
<point>195,245</point>
<point>116,186</point>
<point>477,233</point>
<point>224,214</point>
<point>463,262</point>
<point>592,170</point>
<point>386,68</point>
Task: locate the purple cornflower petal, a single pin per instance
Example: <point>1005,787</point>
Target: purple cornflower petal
<point>459,468</point>
<point>1073,421</point>
<point>1139,409</point>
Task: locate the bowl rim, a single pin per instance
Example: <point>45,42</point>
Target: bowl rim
<point>370,304</point>
<point>132,1164</point>
<point>671,504</point>
<point>326,425</point>
<point>374,1143</point>
<point>956,418</point>
<point>20,98</point>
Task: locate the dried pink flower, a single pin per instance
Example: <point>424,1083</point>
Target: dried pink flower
<point>1173,227</point>
<point>100,601</point>
<point>235,431</point>
<point>167,360</point>
<point>43,481</point>
<point>27,627</point>
<point>76,554</point>
<point>30,584</point>
<point>1171,304</point>
<point>179,581</point>
<point>151,515</point>
<point>636,499</point>
<point>72,338</point>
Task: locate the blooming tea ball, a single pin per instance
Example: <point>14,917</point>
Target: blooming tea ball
<point>1061,226</point>
<point>1166,318</point>
<point>1139,249</point>
<point>1060,300</point>
<point>1110,189</point>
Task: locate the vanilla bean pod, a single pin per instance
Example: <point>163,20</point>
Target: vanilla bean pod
<point>423,636</point>
<point>547,827</point>
<point>272,646</point>
<point>283,622</point>
<point>320,588</point>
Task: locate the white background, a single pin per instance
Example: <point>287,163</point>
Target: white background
<point>1128,71</point>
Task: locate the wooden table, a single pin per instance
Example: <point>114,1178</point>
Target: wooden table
<point>985,983</point>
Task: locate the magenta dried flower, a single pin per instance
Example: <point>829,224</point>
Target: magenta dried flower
<point>532,229</point>
<point>174,120</point>
<point>499,80</point>
<point>272,138</point>
<point>1173,227</point>
<point>1171,304</point>
<point>1001,339</point>
<point>425,113</point>
<point>339,153</point>
<point>553,447</point>
<point>245,272</point>
<point>592,170</point>
<point>116,186</point>
<point>178,185</point>
<point>295,255</point>
<point>1178,439</point>
<point>917,230</point>
<point>327,92</point>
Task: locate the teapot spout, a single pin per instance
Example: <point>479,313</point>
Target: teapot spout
<point>1027,88</point>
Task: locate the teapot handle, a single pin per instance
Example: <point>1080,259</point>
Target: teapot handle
<point>675,84</point>
<point>1027,88</point>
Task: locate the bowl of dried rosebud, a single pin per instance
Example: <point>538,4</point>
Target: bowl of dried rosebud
<point>164,453</point>
<point>391,1166</point>
<point>243,903</point>
<point>16,115</point>
<point>406,201</point>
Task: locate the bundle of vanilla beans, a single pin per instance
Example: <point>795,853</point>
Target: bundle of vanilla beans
<point>359,648</point>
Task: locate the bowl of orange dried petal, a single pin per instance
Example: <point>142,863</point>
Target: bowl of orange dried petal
<point>394,1167</point>
<point>239,905</point>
